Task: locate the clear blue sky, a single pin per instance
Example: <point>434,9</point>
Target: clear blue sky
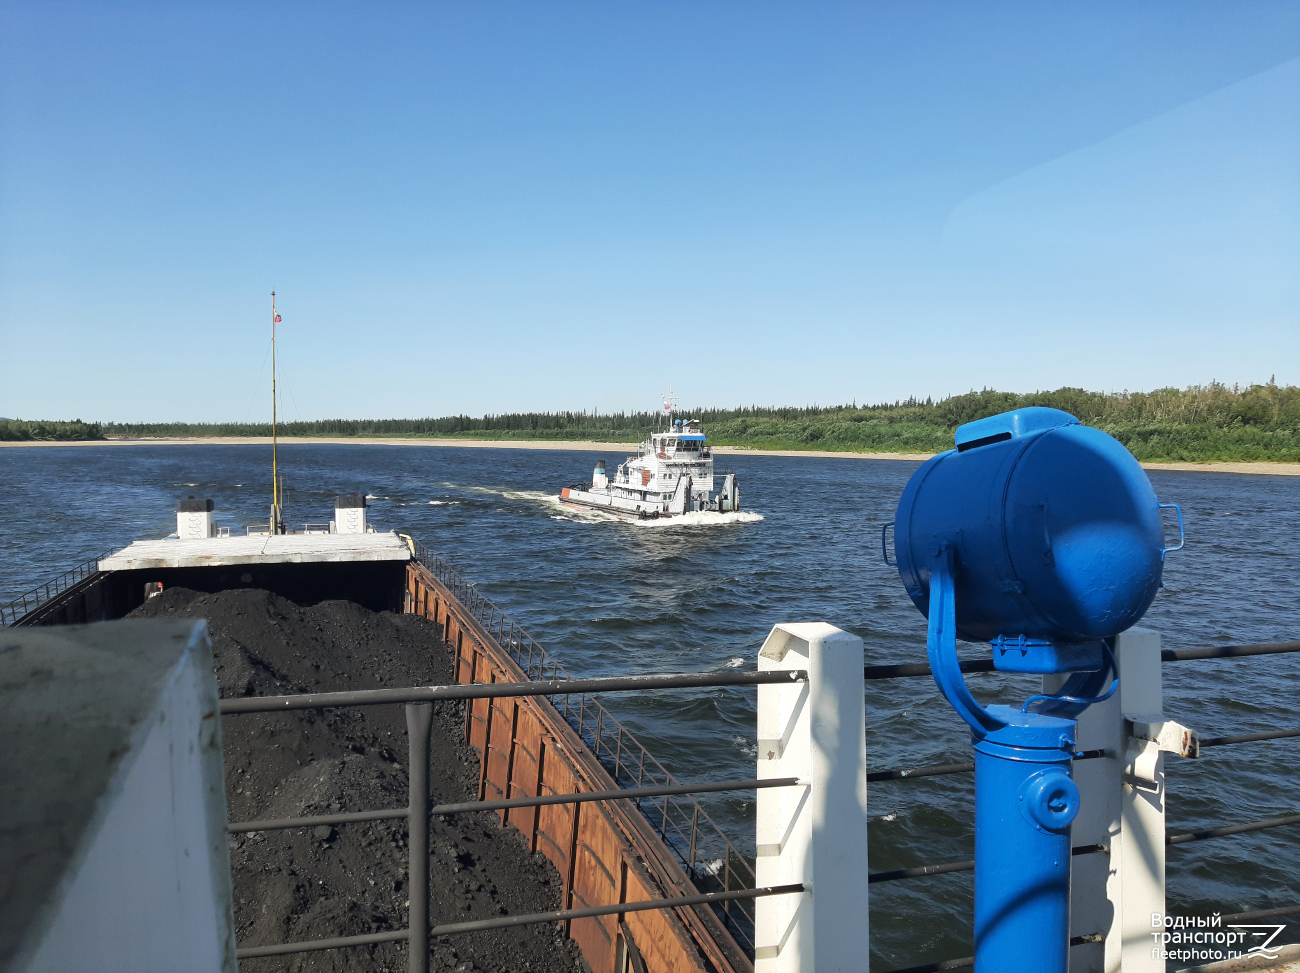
<point>482,207</point>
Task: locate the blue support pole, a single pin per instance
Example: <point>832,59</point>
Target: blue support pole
<point>1025,802</point>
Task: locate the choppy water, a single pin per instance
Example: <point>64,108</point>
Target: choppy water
<point>610,597</point>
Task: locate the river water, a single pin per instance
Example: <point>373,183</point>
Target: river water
<point>609,597</point>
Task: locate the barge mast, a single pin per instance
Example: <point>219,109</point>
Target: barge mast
<point>277,520</point>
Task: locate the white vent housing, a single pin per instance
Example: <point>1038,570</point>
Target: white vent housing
<point>194,519</point>
<point>350,514</point>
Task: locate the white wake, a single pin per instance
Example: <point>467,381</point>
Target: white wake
<point>704,518</point>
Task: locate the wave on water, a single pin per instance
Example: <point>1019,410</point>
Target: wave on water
<point>578,515</point>
<point>533,495</point>
<point>704,518</point>
<point>696,518</point>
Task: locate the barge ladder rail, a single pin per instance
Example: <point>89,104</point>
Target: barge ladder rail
<point>14,611</point>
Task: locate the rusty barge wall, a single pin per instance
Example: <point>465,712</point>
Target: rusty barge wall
<point>607,852</point>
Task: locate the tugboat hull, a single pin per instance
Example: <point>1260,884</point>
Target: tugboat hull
<point>576,499</point>
<point>627,508</point>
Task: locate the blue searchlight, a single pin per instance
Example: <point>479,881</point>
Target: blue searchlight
<point>1043,537</point>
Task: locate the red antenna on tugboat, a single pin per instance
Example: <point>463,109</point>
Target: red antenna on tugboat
<point>670,403</point>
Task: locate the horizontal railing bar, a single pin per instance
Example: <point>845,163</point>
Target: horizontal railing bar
<point>923,870</point>
<point>1249,737</point>
<point>895,671</point>
<point>1181,839</point>
<point>967,961</point>
<point>1228,651</point>
<point>497,690</point>
<point>370,939</point>
<point>896,874</point>
<point>938,770</point>
<point>614,795</point>
<point>590,912</point>
<point>279,824</point>
<point>1286,910</point>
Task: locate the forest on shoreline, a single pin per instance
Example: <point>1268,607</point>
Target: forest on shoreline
<point>1204,423</point>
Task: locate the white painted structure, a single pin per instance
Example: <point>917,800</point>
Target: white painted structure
<point>671,475</point>
<point>815,833</point>
<point>258,549</point>
<point>112,829</point>
<point>1122,807</point>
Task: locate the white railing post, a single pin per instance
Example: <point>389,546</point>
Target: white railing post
<point>815,833</point>
<point>1123,808</point>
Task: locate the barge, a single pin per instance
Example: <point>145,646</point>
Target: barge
<point>608,853</point>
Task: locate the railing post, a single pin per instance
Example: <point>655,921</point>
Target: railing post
<point>419,717</point>
<point>1123,806</point>
<point>815,833</point>
<point>695,831</point>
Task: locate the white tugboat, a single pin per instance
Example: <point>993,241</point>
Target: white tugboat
<point>672,475</point>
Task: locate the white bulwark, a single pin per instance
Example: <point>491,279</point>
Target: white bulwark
<point>258,549</point>
<point>113,842</point>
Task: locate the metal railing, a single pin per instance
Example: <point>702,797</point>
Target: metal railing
<point>710,858</point>
<point>31,600</point>
<point>419,713</point>
<point>894,671</point>
<point>679,823</point>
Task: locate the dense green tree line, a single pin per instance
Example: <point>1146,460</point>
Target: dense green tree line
<point>1210,422</point>
<point>18,430</point>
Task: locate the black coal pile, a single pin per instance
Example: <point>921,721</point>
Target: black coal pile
<point>298,885</point>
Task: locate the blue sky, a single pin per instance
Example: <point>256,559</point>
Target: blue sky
<point>493,206</point>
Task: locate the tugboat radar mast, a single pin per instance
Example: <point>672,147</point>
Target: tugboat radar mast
<point>670,403</point>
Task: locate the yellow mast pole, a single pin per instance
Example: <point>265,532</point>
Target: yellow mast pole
<point>275,473</point>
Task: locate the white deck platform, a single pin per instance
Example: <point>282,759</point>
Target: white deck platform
<point>258,549</point>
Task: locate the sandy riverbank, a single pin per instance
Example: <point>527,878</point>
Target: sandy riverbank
<point>1272,469</point>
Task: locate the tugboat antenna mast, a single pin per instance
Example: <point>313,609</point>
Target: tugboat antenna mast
<point>670,403</point>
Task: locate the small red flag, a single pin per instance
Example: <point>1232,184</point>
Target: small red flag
<point>277,317</point>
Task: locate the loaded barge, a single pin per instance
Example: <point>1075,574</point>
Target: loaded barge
<point>529,746</point>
